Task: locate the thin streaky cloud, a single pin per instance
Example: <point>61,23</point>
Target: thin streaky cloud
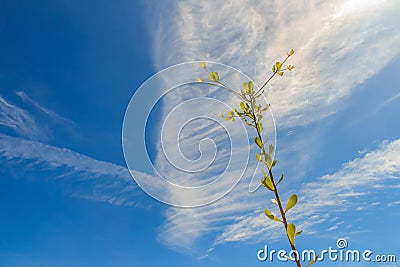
<point>19,120</point>
<point>92,179</point>
<point>53,115</point>
<point>390,100</point>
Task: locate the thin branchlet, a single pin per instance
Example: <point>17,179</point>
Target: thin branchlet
<point>251,113</point>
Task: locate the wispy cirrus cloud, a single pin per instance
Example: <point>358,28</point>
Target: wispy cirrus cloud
<point>358,185</point>
<point>53,115</point>
<point>360,180</point>
<point>29,119</point>
<point>339,45</point>
<point>89,178</point>
<point>19,120</point>
<point>86,176</point>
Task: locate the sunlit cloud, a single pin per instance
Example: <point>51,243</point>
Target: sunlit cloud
<point>339,45</point>
<point>336,47</point>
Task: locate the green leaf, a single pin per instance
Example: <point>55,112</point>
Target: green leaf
<point>244,95</point>
<point>249,87</point>
<point>268,161</point>
<point>292,201</point>
<point>280,73</point>
<point>244,107</point>
<point>258,142</point>
<point>280,179</point>
<point>259,127</point>
<point>274,162</point>
<point>213,76</point>
<point>299,233</point>
<point>291,52</point>
<point>278,66</point>
<point>291,231</point>
<point>203,65</point>
<point>248,123</point>
<point>271,216</point>
<point>271,149</point>
<point>274,69</point>
<point>258,157</point>
<point>267,183</point>
<point>312,262</point>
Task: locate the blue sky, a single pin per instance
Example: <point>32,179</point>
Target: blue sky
<point>68,71</point>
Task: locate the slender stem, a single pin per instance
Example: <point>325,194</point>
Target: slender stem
<point>256,122</point>
<point>272,76</point>
<point>278,199</point>
<point>225,86</point>
<point>229,89</point>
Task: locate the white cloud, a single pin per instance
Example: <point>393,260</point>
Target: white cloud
<point>388,101</point>
<point>334,192</point>
<point>18,120</point>
<point>393,203</point>
<point>87,177</point>
<point>53,115</point>
<point>238,216</point>
<point>31,120</point>
<point>338,46</point>
<point>94,179</point>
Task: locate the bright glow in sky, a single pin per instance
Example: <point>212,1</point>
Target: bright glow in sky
<point>68,70</point>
